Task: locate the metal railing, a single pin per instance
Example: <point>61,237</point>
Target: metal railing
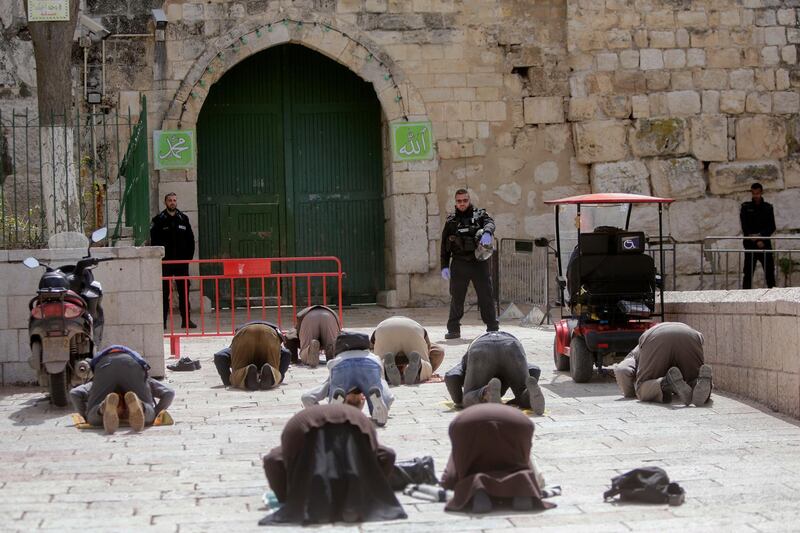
<point>62,172</point>
<point>725,264</point>
<point>524,273</point>
<point>241,290</point>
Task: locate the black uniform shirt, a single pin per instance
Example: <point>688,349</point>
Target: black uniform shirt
<point>174,233</point>
<point>757,219</point>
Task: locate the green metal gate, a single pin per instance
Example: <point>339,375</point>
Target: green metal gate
<point>289,163</point>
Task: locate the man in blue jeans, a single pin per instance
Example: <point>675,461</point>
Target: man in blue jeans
<point>354,369</point>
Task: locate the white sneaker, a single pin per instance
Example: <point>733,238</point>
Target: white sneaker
<point>380,412</point>
<point>411,371</point>
<point>308,400</point>
<point>535,395</point>
<point>391,370</point>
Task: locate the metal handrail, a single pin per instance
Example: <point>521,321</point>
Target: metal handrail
<point>705,247</point>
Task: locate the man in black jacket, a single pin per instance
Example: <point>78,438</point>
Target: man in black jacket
<point>459,264</point>
<point>758,220</point>
<point>172,230</point>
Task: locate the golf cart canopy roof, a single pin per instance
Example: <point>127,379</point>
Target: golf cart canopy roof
<point>610,198</point>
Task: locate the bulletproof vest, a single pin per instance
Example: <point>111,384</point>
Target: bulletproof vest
<point>463,239</point>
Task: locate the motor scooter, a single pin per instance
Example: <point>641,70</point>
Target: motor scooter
<point>66,322</point>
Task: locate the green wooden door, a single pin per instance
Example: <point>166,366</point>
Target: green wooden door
<point>295,136</point>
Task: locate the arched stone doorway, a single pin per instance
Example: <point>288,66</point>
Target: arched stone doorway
<point>290,164</point>
<point>408,188</point>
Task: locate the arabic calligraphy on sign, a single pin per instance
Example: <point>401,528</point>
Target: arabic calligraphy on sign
<point>173,149</point>
<point>412,141</point>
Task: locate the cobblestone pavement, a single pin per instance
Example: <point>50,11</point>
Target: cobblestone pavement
<point>739,464</point>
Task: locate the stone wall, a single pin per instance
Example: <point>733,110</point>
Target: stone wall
<point>692,100</point>
<point>131,301</point>
<point>751,339</point>
<point>530,100</point>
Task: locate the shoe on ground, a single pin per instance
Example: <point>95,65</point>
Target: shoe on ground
<point>184,364</point>
<point>307,400</point>
<point>380,412</point>
<point>338,396</point>
<point>702,389</point>
<point>666,391</point>
<point>535,395</point>
<point>678,385</point>
<point>491,392</point>
<point>391,370</point>
<point>110,416</point>
<point>266,377</point>
<point>135,411</point>
<point>251,378</point>
<point>192,325</point>
<point>481,502</point>
<point>312,357</point>
<point>411,371</point>
<point>452,335</point>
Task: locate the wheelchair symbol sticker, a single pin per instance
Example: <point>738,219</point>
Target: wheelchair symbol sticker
<point>629,244</point>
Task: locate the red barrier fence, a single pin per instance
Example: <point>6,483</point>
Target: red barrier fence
<point>242,290</point>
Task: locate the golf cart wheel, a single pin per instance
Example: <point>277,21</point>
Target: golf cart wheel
<point>581,361</point>
<point>561,361</point>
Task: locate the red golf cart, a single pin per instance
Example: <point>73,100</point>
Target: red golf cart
<point>610,284</point>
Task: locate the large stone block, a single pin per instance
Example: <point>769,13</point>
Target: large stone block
<point>408,210</point>
<point>624,176</point>
<point>653,137</point>
<point>710,137</point>
<point>677,178</point>
<point>725,178</point>
<point>791,172</point>
<point>600,141</point>
<point>785,205</point>
<point>682,103</point>
<point>544,110</point>
<point>760,137</point>
<point>692,220</point>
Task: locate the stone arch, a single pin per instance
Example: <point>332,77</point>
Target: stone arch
<point>407,193</point>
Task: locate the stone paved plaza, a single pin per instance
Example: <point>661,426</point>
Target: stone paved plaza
<point>739,463</point>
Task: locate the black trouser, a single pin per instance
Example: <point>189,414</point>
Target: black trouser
<point>763,256</point>
<point>494,355</point>
<point>118,373</point>
<point>480,274</point>
<point>181,288</point>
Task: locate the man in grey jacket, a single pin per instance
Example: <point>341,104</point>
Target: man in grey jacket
<point>668,360</point>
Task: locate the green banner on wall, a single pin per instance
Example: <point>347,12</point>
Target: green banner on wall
<point>412,141</point>
<point>174,149</point>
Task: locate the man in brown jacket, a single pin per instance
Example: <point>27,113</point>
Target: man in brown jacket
<point>667,361</point>
<point>402,342</point>
<point>317,329</point>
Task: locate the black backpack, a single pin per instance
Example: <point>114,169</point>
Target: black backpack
<point>648,484</point>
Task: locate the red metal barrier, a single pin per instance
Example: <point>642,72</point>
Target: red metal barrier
<point>240,283</point>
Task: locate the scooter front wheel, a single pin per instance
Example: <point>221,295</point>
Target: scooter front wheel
<point>59,388</point>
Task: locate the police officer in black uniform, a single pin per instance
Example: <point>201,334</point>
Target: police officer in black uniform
<point>758,220</point>
<point>459,265</point>
<point>172,230</point>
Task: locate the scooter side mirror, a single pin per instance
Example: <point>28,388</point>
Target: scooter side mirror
<point>31,262</point>
<point>99,234</point>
